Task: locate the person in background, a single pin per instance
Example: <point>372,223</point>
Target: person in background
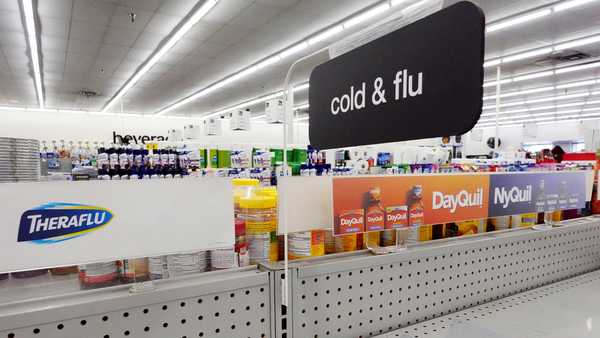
<point>558,154</point>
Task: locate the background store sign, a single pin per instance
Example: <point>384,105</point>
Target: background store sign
<point>423,80</point>
<point>362,204</point>
<point>52,224</point>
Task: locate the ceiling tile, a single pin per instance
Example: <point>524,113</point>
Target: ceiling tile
<point>280,3</point>
<point>256,15</point>
<point>82,30</point>
<point>138,55</point>
<point>83,47</point>
<point>52,44</point>
<point>225,11</point>
<point>93,12</point>
<point>108,51</point>
<point>230,35</point>
<point>54,27</point>
<point>122,37</point>
<point>60,9</point>
<point>148,40</point>
<point>177,8</point>
<point>12,39</point>
<point>122,18</point>
<point>11,22</point>
<point>162,24</point>
<point>209,49</point>
<point>148,5</point>
<point>12,6</point>
<point>202,30</point>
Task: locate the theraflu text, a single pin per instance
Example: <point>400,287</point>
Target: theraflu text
<point>57,222</point>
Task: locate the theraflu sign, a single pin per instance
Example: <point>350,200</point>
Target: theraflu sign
<point>423,80</point>
<point>362,204</point>
<point>57,222</point>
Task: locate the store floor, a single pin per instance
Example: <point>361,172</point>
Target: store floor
<point>565,309</point>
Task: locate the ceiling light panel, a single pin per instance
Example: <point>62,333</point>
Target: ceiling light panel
<point>172,41</point>
<point>327,33</point>
<point>32,40</point>
<point>518,20</point>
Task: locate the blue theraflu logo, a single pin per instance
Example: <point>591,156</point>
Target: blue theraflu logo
<point>57,222</point>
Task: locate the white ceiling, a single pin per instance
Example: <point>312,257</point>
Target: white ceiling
<point>92,45</point>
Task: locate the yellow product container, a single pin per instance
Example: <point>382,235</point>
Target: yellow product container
<point>470,227</point>
<point>345,243</point>
<point>329,242</point>
<point>260,215</point>
<point>557,216</point>
<point>371,239</point>
<point>529,219</point>
<point>425,233</point>
<point>306,244</point>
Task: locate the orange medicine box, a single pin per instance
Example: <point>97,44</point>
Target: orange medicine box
<point>396,217</point>
<point>375,220</point>
<point>351,221</point>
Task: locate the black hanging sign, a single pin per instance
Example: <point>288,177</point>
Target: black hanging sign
<point>423,80</point>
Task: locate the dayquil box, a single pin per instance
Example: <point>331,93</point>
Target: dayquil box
<point>351,221</point>
<point>396,217</point>
<point>375,220</point>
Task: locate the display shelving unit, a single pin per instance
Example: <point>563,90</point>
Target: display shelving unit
<point>345,295</point>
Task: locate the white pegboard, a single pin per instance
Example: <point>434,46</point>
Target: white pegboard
<point>521,315</point>
<point>365,295</point>
<point>235,304</point>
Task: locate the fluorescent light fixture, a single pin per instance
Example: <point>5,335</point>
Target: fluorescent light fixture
<point>521,92</point>
<point>33,48</point>
<point>527,55</point>
<point>366,15</point>
<point>183,29</point>
<point>517,20</point>
<point>255,101</point>
<point>533,76</point>
<point>237,76</point>
<point>576,84</point>
<point>493,83</point>
<point>326,34</point>
<point>268,61</point>
<point>570,4</point>
<point>397,2</point>
<point>577,43</point>
<point>294,49</point>
<point>492,63</point>
<point>303,118</point>
<point>558,98</point>
<point>577,68</point>
<point>302,106</point>
<point>301,87</point>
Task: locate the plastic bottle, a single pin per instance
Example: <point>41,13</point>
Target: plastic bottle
<point>260,214</point>
<point>306,244</point>
<point>242,188</point>
<point>540,201</point>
